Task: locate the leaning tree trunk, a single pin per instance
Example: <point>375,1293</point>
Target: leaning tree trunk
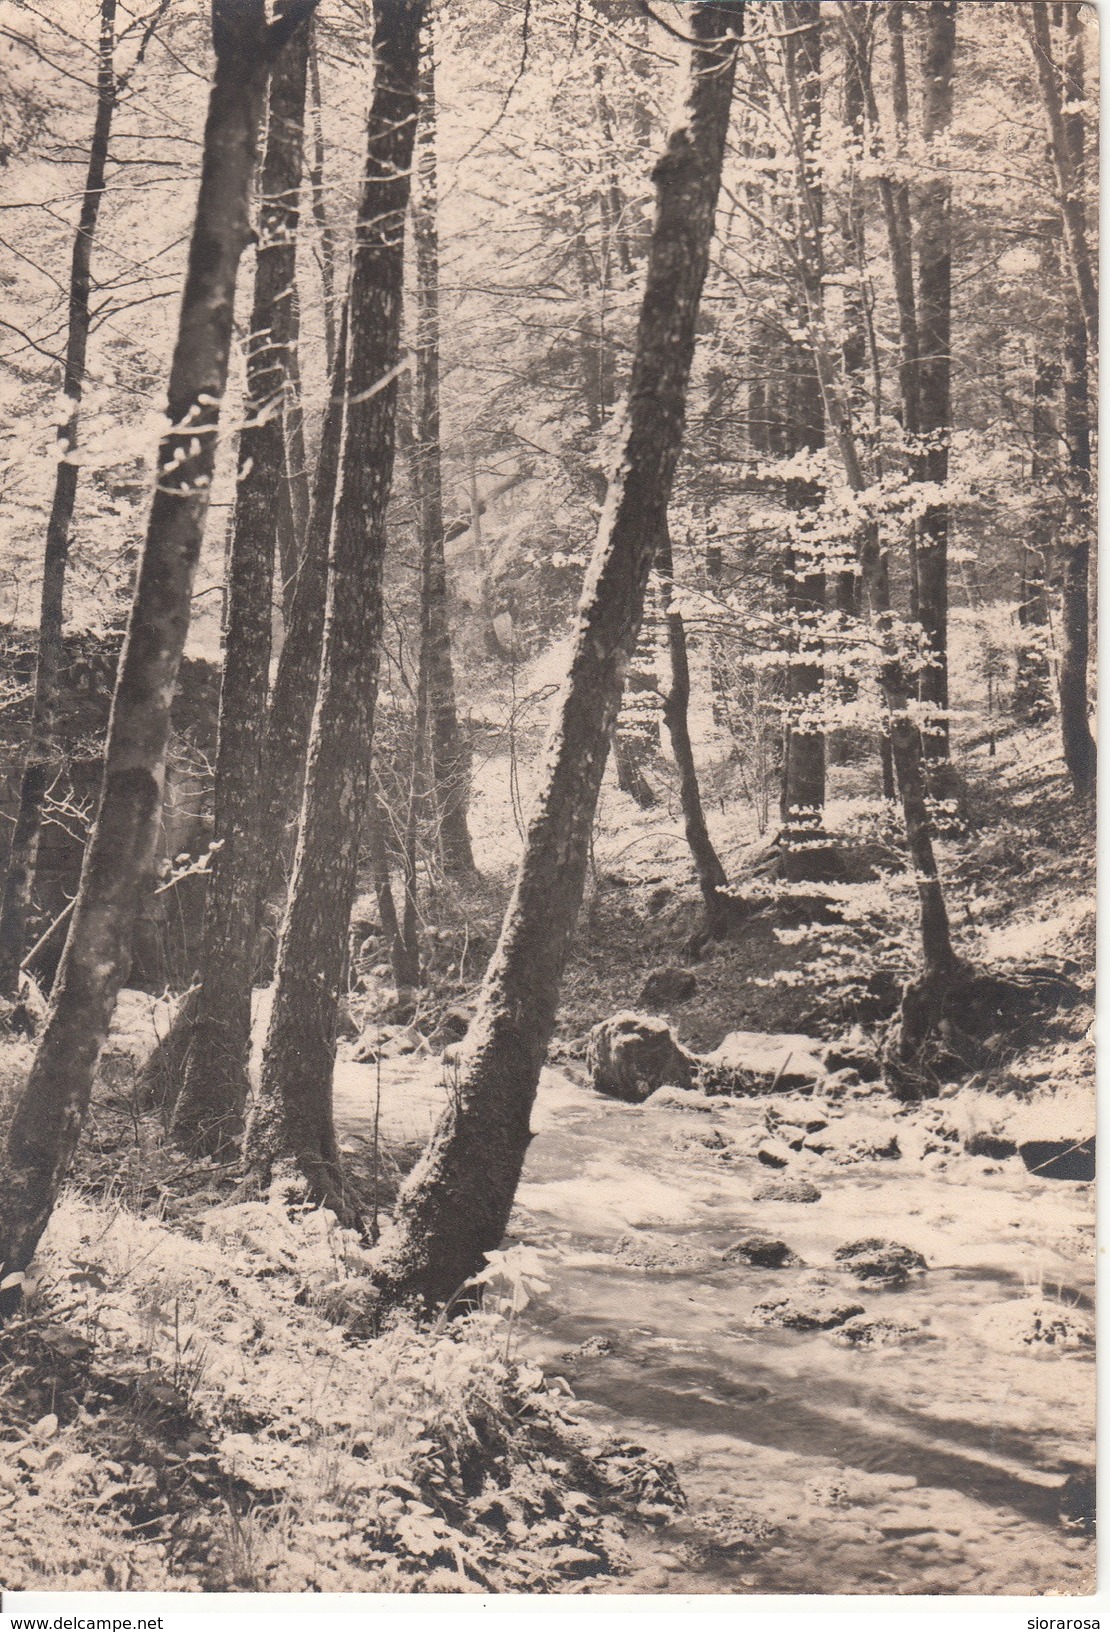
<point>711,876</point>
<point>292,1115</point>
<point>447,757</point>
<point>934,313</point>
<point>120,856</point>
<point>23,855</point>
<point>454,1207</point>
<point>1075,544</point>
<point>209,1110</point>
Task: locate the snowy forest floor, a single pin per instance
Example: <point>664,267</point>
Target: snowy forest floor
<point>194,1397</point>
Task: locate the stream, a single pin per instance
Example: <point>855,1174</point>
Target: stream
<point>952,1457</point>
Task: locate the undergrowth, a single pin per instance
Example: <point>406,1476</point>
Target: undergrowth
<point>198,1411</point>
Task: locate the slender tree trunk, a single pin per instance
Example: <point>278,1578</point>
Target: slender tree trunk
<point>298,485</point>
<point>1069,182</point>
<point>447,761</point>
<point>711,876</point>
<point>208,1114</point>
<point>909,768</point>
<point>293,696</point>
<point>319,206</point>
<point>455,1205</point>
<point>934,257</point>
<point>845,587</point>
<point>894,196</point>
<point>293,1112</point>
<point>120,855</point>
<point>1032,680</point>
<point>895,193</point>
<point>940,961</point>
<point>15,904</point>
<point>805,854</point>
<point>1075,544</point>
<point>383,890</point>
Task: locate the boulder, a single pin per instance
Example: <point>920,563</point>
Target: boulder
<point>797,1190</point>
<point>849,1056</point>
<point>764,1251</point>
<point>819,1314</point>
<point>878,1332</point>
<point>1060,1158</point>
<point>379,1042</point>
<point>879,1262</point>
<point>856,1138</point>
<point>673,1098</point>
<point>630,1055</point>
<point>773,1153</point>
<point>754,1061</point>
<point>666,988</point>
<point>452,1027</point>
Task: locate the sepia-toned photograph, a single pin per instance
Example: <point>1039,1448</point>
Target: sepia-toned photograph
<point>548,556</point>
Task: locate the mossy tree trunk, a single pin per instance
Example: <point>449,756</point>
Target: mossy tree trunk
<point>120,856</point>
<point>292,1115</point>
<point>454,1207</point>
<point>208,1113</point>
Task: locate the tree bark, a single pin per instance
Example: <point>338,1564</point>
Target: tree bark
<point>292,1115</point>
<point>319,207</point>
<point>121,851</point>
<point>208,1114</point>
<point>934,257</point>
<point>905,741</point>
<point>293,697</point>
<point>1032,680</point>
<point>454,1207</point>
<point>23,855</point>
<point>804,852</point>
<point>711,876</point>
<point>1075,544</point>
<point>447,757</point>
<point>1069,183</point>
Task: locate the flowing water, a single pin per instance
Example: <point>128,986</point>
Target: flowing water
<point>954,1459</point>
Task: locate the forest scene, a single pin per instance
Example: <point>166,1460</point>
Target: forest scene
<point>547,764</point>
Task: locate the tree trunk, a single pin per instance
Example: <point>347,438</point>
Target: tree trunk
<point>447,760</point>
<point>1068,173</point>
<point>905,742</point>
<point>711,876</point>
<point>1033,677</point>
<point>909,768</point>
<point>383,890</point>
<point>121,851</point>
<point>319,208</point>
<point>934,258</point>
<point>293,696</point>
<point>1075,544</point>
<point>23,855</point>
<point>804,852</point>
<point>293,1113</point>
<point>454,1207</point>
<point>208,1114</point>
